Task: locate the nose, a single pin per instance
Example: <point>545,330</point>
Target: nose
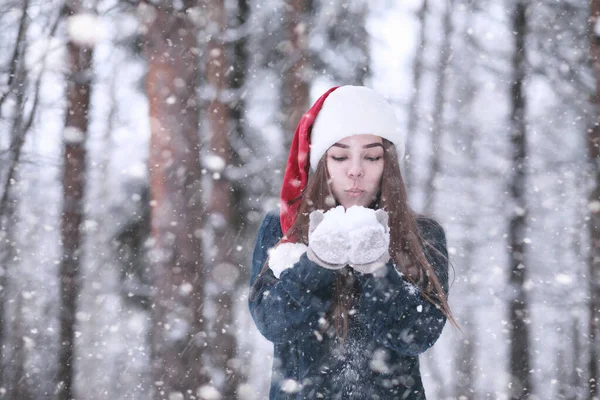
<point>356,171</point>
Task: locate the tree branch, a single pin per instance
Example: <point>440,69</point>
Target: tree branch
<point>21,131</point>
<point>16,56</point>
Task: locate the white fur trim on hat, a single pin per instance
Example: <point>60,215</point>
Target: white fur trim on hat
<point>285,256</point>
<point>353,110</point>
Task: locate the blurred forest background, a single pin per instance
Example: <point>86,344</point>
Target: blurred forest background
<point>141,142</point>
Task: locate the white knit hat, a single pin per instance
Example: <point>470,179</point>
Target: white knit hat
<point>353,110</point>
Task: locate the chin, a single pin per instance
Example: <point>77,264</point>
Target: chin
<point>367,201</point>
<point>349,203</point>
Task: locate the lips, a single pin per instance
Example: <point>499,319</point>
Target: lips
<point>354,192</point>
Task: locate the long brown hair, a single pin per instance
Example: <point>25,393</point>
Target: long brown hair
<point>405,241</point>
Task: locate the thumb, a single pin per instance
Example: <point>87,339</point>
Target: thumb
<point>314,219</point>
<point>382,218</point>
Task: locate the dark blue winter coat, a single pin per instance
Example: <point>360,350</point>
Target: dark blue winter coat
<point>392,325</point>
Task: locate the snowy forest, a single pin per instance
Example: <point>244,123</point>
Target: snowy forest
<point>143,141</point>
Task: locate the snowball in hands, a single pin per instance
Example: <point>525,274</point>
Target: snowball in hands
<point>328,238</point>
<point>358,236</point>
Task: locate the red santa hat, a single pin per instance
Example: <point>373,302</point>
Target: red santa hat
<point>340,112</point>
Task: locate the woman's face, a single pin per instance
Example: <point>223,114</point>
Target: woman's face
<point>355,166</point>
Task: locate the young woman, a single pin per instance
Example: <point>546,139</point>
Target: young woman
<point>347,281</point>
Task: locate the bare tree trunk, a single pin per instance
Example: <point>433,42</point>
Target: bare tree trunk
<point>7,256</point>
<point>438,113</point>
<point>22,388</point>
<point>567,378</point>
<point>15,380</point>
<point>178,332</point>
<point>431,188</point>
<point>465,388</point>
<point>237,108</point>
<point>9,288</point>
<point>465,93</point>
<point>465,382</point>
<point>575,378</point>
<point>76,126</point>
<point>413,114</point>
<point>239,221</point>
<point>16,78</point>
<point>520,365</point>
<point>223,269</point>
<point>18,387</point>
<point>295,74</point>
<point>364,67</point>
<point>8,202</point>
<point>465,360</point>
<point>593,142</point>
<point>238,75</point>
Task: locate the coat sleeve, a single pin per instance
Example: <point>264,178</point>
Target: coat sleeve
<point>394,310</point>
<point>290,307</point>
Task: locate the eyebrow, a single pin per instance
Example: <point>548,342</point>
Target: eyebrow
<point>367,146</point>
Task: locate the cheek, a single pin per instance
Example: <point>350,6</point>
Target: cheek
<point>376,172</point>
<point>375,178</point>
<point>335,172</point>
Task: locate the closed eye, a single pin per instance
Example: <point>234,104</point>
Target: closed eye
<point>334,158</point>
<point>373,158</point>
